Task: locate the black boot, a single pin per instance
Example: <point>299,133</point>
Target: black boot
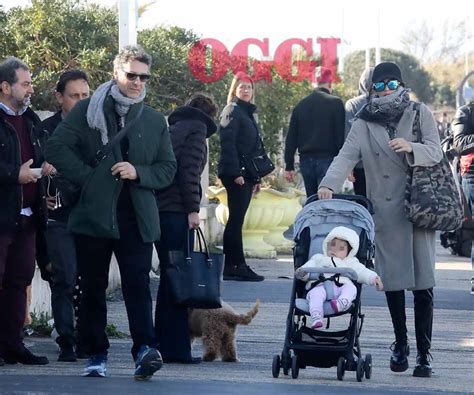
<point>67,353</point>
<point>241,273</point>
<point>423,365</point>
<point>399,358</point>
<point>423,303</point>
<point>24,356</point>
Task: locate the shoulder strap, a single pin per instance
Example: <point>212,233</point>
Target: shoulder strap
<point>416,124</point>
<point>101,154</point>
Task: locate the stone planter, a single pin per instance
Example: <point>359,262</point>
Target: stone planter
<point>290,204</point>
<point>264,214</point>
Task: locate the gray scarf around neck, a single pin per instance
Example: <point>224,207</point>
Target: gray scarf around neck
<point>387,109</point>
<point>95,110</point>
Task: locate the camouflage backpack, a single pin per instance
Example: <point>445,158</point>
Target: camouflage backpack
<point>432,197</point>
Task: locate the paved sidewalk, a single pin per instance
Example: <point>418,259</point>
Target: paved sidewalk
<point>453,346</point>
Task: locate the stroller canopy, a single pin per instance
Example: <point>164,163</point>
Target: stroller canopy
<point>322,216</point>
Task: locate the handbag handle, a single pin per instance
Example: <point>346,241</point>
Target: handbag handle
<point>201,241</point>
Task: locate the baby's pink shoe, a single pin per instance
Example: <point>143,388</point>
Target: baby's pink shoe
<point>334,305</point>
<point>317,325</point>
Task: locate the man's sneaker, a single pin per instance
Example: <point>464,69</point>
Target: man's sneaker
<point>96,366</point>
<point>148,361</point>
<point>241,273</point>
<point>67,354</point>
<point>423,366</point>
<point>24,356</point>
<point>399,358</point>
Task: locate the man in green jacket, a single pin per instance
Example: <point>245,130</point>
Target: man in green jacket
<point>117,211</point>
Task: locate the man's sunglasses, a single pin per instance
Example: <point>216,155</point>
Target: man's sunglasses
<point>134,76</point>
<point>380,86</point>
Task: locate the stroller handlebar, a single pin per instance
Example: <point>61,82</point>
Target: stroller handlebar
<point>362,200</point>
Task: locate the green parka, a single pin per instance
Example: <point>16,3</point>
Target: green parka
<point>72,149</point>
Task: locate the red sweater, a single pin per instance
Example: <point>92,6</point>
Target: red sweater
<point>30,190</point>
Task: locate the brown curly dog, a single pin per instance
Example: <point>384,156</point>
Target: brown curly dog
<point>217,329</point>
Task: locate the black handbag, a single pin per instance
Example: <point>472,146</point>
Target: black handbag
<point>195,276</point>
<point>259,164</point>
<point>71,192</point>
<point>432,197</point>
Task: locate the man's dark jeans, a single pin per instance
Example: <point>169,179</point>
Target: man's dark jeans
<point>17,267</point>
<point>134,261</point>
<point>468,187</point>
<point>62,253</point>
<point>313,171</point>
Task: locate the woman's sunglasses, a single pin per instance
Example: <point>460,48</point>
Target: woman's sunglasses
<point>134,76</point>
<point>380,86</point>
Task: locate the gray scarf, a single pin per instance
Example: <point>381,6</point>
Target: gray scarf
<point>387,109</point>
<point>95,111</point>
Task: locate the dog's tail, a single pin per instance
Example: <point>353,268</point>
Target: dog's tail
<point>242,319</point>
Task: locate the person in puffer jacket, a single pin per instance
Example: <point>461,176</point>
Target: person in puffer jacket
<point>339,247</point>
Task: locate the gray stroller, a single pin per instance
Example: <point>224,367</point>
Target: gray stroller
<point>303,345</point>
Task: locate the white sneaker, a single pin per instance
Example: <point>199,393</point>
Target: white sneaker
<point>96,366</point>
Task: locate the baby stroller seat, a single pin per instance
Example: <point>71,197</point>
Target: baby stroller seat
<point>303,345</point>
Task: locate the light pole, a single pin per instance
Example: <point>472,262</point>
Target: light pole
<point>128,15</point>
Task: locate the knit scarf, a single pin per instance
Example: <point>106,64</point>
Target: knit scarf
<point>95,111</point>
<point>386,109</point>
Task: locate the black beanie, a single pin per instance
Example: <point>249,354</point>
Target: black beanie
<point>386,71</point>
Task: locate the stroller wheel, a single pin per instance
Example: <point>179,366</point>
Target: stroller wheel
<point>341,368</point>
<point>360,369</point>
<point>295,369</point>
<point>276,364</point>
<point>285,363</point>
<point>368,366</point>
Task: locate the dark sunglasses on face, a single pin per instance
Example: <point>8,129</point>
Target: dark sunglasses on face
<point>380,86</point>
<point>134,76</point>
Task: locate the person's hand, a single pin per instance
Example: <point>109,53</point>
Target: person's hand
<point>289,175</point>
<point>51,203</point>
<point>257,188</point>
<point>239,180</point>
<point>26,175</point>
<point>125,169</point>
<point>324,193</point>
<point>378,283</point>
<point>300,274</point>
<point>47,169</point>
<point>400,145</point>
<point>351,177</point>
<point>193,220</point>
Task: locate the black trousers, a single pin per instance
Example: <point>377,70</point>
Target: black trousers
<point>134,261</point>
<point>238,201</point>
<point>423,304</point>
<point>171,320</point>
<point>62,253</point>
<point>359,184</point>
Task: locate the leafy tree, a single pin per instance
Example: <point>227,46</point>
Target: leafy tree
<point>415,77</point>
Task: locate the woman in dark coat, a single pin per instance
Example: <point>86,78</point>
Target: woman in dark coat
<point>382,136</point>
<point>179,211</point>
<point>239,135</point>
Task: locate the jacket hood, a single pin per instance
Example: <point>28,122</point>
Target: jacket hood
<point>343,233</point>
<point>365,82</point>
<point>187,113</point>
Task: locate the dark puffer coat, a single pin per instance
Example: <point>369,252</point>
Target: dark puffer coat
<point>189,128</point>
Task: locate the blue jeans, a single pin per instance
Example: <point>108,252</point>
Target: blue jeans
<point>313,171</point>
<point>468,188</point>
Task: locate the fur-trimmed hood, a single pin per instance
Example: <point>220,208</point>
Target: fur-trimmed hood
<point>343,233</point>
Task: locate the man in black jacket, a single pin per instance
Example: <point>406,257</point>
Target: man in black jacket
<point>20,206</point>
<point>463,135</point>
<point>317,131</point>
<point>72,87</point>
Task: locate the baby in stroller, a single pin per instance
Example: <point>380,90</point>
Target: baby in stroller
<point>340,247</point>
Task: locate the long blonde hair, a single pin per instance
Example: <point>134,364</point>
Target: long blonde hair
<point>239,77</point>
